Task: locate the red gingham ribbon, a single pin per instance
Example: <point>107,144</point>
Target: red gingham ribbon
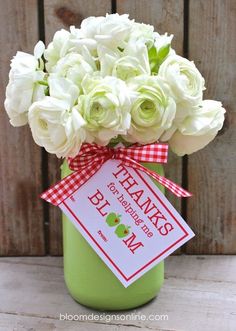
<point>90,159</point>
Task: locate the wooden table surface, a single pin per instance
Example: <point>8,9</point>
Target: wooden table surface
<point>199,294</point>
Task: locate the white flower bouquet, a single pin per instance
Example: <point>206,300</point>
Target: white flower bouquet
<point>111,80</point>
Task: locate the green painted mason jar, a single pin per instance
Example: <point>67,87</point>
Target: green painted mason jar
<point>91,282</point>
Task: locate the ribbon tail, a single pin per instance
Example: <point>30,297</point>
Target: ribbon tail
<point>57,193</point>
<point>171,186</point>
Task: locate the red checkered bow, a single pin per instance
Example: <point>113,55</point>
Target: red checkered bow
<point>91,157</point>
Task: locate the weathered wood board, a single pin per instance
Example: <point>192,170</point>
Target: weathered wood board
<point>21,210</point>
<point>212,171</point>
<point>199,293</point>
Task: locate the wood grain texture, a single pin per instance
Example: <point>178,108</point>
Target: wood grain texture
<point>61,14</point>
<point>21,212</point>
<point>165,16</point>
<point>9,322</point>
<point>212,171</point>
<point>199,293</point>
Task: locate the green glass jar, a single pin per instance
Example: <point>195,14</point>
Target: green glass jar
<point>91,282</point>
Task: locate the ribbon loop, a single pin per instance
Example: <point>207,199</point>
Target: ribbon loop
<point>91,157</point>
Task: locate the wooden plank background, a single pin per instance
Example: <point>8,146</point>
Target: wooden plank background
<point>205,32</point>
<point>21,211</point>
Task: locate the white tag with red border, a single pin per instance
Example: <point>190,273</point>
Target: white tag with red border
<point>126,219</point>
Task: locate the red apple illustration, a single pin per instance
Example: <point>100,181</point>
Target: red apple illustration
<point>113,219</point>
<point>122,230</point>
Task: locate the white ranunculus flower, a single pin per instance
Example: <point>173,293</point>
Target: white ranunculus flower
<point>123,65</point>
<point>142,33</point>
<point>138,51</point>
<point>105,107</point>
<point>162,40</point>
<point>185,81</point>
<point>65,42</point>
<point>57,128</point>
<point>115,30</point>
<point>82,43</point>
<point>197,130</point>
<point>107,58</point>
<point>58,48</point>
<point>63,89</point>
<point>90,26</point>
<point>24,84</point>
<point>73,67</point>
<point>112,30</point>
<point>152,110</point>
<point>128,67</point>
<point>182,112</point>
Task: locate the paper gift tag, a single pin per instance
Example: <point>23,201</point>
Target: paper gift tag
<point>126,219</point>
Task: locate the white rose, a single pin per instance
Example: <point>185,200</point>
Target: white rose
<point>56,128</point>
<point>152,110</point>
<point>184,79</point>
<point>197,130</point>
<point>24,87</point>
<point>105,107</point>
<point>73,67</point>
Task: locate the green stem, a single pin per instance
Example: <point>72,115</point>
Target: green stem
<point>42,82</point>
